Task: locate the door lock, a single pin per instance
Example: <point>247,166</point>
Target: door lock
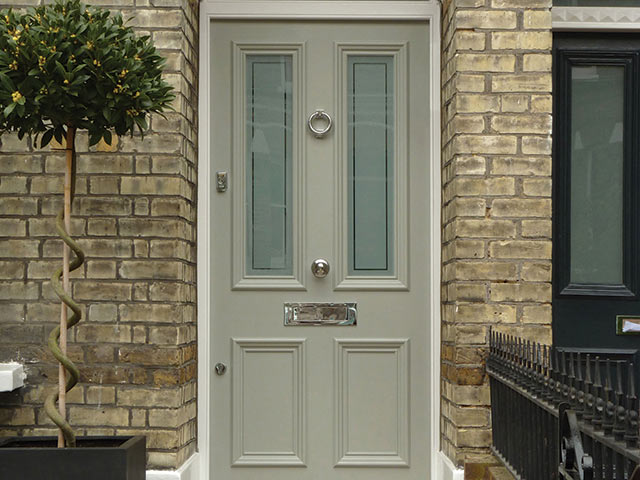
<point>221,181</point>
<point>220,368</point>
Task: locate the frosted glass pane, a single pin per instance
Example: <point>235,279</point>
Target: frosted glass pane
<point>596,3</point>
<point>268,119</point>
<point>597,121</point>
<point>371,126</point>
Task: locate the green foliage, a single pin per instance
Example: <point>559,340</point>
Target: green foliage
<point>67,64</point>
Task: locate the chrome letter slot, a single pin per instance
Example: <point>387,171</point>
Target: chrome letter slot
<point>319,314</point>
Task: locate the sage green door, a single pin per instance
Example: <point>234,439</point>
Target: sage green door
<point>322,130</point>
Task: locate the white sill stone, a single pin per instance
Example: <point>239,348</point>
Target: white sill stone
<point>11,376</point>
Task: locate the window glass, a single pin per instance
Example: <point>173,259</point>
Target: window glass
<point>371,147</point>
<point>597,130</point>
<point>268,119</point>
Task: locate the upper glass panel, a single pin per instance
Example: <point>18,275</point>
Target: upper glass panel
<point>371,147</point>
<point>268,120</point>
<point>596,3</point>
<point>597,154</point>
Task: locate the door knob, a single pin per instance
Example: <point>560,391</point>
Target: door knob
<point>320,268</point>
<point>220,368</point>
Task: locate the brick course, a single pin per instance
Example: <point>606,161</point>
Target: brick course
<point>134,215</point>
<point>496,135</point>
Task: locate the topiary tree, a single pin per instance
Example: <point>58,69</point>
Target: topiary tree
<point>66,67</point>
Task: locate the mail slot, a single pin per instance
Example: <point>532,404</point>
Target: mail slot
<point>321,314</point>
<point>627,325</point>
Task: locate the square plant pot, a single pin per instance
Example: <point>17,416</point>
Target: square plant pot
<point>94,458</point>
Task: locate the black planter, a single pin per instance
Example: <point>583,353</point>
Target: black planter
<point>95,458</point>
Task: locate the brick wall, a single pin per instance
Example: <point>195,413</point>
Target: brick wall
<point>135,215</point>
<point>496,160</point>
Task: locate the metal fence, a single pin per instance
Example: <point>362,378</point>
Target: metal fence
<point>560,415</point>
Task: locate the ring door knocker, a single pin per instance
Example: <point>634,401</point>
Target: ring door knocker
<point>319,115</point>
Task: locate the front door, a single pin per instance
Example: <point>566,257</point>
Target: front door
<point>596,267</point>
<point>320,260</point>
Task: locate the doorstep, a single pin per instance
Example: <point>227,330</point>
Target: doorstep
<point>492,469</point>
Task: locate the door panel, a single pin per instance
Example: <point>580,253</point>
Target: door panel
<point>269,402</point>
<point>596,202</point>
<point>322,402</point>
<point>372,381</point>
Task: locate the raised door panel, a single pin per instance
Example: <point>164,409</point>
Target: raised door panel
<point>268,402</point>
<point>372,403</point>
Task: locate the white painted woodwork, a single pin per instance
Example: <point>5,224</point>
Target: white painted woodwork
<point>322,402</point>
<point>596,18</point>
<point>11,376</point>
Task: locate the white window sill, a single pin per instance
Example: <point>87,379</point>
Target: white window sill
<point>11,376</point>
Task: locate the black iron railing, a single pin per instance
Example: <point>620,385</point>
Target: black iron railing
<point>532,385</point>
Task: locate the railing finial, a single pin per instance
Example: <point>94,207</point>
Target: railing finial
<point>579,389</point>
<point>588,389</point>
<point>609,407</point>
<point>631,435</point>
<point>598,404</point>
<point>620,412</point>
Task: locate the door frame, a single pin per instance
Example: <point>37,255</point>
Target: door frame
<point>426,10</point>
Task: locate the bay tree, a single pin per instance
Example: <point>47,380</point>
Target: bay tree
<point>66,67</point>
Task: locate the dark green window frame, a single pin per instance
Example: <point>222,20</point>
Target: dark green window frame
<point>588,50</point>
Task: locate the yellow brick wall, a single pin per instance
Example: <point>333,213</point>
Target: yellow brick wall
<point>496,161</point>
<point>134,216</point>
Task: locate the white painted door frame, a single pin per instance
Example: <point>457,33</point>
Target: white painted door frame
<point>428,11</point>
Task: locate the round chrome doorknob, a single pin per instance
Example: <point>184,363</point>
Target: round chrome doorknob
<point>320,268</point>
<point>220,368</point>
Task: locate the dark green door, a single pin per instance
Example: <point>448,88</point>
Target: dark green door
<point>596,182</point>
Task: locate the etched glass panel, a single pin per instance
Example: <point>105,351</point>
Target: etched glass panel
<point>597,151</point>
<point>371,147</point>
<point>268,120</point>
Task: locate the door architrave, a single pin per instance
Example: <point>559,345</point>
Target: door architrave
<point>427,11</point>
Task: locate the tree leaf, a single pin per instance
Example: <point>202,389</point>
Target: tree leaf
<point>7,83</point>
<point>46,138</point>
<point>58,133</point>
<point>10,108</point>
<point>94,137</point>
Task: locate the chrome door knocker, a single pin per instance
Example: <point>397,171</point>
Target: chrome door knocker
<point>319,115</point>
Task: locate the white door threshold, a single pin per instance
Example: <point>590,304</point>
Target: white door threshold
<point>188,471</point>
<point>448,470</point>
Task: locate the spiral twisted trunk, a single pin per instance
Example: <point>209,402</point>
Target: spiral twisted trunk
<point>57,342</point>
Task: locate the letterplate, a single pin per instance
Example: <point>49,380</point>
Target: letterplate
<point>627,325</point>
<point>321,314</point>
